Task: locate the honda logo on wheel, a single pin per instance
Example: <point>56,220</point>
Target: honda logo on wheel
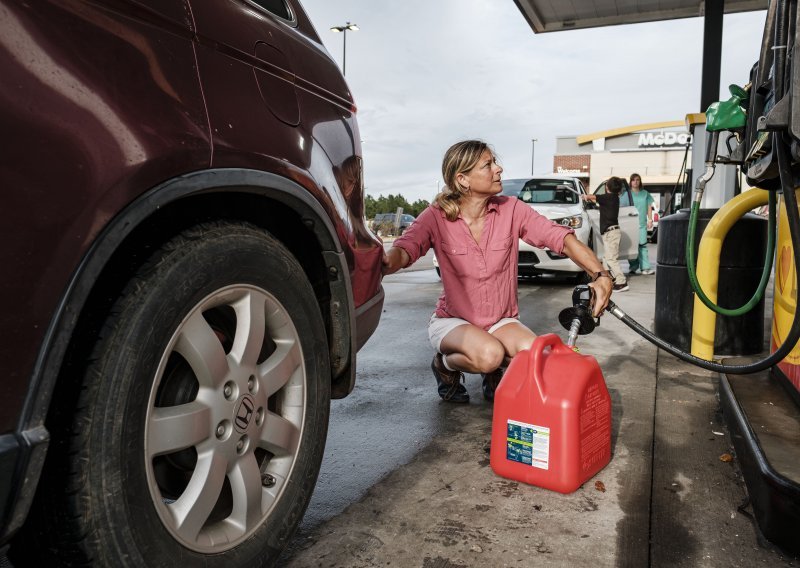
<point>244,413</point>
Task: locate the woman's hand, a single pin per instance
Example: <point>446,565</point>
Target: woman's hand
<point>584,257</point>
<point>602,293</point>
<point>394,260</point>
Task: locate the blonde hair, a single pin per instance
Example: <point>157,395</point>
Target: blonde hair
<point>460,158</point>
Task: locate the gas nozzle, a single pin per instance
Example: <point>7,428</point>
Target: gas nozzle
<point>720,116</point>
<point>711,158</point>
<point>578,319</point>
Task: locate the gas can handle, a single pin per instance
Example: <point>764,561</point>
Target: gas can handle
<point>537,357</point>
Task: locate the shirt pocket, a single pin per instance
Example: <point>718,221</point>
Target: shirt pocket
<point>500,253</point>
<point>501,244</point>
<point>456,257</point>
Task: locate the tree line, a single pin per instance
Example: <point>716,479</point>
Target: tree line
<point>390,203</point>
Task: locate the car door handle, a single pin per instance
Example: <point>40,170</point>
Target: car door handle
<point>633,214</point>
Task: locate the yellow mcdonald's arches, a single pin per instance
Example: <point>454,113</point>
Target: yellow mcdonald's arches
<point>690,120</point>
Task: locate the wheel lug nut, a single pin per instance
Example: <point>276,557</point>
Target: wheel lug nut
<point>251,384</point>
<point>229,390</point>
<point>223,429</point>
<point>239,445</point>
<point>259,417</point>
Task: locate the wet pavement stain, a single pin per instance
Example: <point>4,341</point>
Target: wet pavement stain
<point>504,488</point>
<point>519,523</point>
<point>450,532</point>
<point>587,505</point>
<point>440,562</point>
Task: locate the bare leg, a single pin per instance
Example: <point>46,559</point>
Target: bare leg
<point>514,337</point>
<point>473,350</point>
<point>469,348</point>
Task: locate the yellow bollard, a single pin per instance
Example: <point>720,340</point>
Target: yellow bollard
<point>704,320</point>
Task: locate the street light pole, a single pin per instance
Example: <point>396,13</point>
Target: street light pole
<point>343,29</point>
<point>533,148</point>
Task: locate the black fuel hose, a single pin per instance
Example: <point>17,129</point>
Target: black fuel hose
<point>787,182</point>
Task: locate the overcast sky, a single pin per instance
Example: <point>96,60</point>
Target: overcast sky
<point>427,73</point>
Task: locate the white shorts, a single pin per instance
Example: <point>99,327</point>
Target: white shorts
<point>439,327</point>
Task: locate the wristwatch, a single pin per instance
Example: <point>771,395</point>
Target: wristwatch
<point>606,273</point>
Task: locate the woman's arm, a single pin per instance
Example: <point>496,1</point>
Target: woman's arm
<point>412,244</point>
<point>584,257</point>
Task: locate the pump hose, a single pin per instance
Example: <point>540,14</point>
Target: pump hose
<point>787,183</point>
<point>762,285</point>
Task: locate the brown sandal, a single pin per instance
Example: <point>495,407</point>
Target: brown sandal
<point>448,383</point>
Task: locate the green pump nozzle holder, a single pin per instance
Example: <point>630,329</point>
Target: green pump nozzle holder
<point>723,115</point>
<point>730,114</point>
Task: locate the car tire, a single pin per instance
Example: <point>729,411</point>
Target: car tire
<point>199,430</point>
<point>654,236</point>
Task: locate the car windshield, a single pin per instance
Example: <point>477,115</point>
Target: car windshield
<point>542,190</point>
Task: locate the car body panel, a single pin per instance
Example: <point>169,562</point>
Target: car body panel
<point>325,156</point>
<point>99,149</point>
<point>108,103</point>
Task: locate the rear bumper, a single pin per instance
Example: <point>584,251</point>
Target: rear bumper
<point>368,316</point>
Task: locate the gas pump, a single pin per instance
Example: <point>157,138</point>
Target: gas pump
<point>764,118</point>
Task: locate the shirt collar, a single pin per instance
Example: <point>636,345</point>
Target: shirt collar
<point>491,205</point>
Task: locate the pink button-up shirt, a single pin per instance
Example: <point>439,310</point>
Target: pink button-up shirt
<point>480,279</point>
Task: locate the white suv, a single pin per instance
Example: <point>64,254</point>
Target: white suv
<point>559,199</point>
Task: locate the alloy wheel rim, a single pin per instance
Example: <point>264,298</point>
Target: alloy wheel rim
<point>224,418</point>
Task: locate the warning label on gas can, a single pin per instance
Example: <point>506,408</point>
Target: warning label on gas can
<point>528,444</point>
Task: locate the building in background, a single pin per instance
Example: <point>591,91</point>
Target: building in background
<point>659,152</point>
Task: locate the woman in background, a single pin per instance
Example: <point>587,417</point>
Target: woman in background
<point>643,202</point>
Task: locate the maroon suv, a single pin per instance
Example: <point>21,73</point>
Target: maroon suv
<point>186,277</point>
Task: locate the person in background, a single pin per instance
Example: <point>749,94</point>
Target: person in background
<point>609,229</point>
<point>643,202</point>
<point>475,233</point>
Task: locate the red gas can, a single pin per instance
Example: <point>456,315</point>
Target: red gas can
<point>552,418</point>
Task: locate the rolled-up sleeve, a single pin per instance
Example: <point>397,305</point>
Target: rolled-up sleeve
<point>417,238</point>
<point>538,230</point>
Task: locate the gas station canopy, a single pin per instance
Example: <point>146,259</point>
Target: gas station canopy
<point>562,15</point>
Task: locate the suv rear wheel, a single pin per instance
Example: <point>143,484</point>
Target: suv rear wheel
<point>198,436</point>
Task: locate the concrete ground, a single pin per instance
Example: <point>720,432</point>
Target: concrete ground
<point>669,497</point>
